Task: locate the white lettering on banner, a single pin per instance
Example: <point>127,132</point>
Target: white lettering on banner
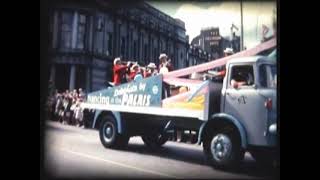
<point>89,99</point>
<point>140,99</point>
<point>155,89</point>
<point>142,86</point>
<point>148,100</point>
<point>125,98</point>
<point>103,100</point>
<point>128,89</point>
<point>130,100</point>
<point>118,100</point>
<point>136,100</point>
<point>144,99</point>
<point>135,97</point>
<point>98,99</point>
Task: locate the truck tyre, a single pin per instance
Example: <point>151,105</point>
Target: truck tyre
<point>222,149</point>
<point>109,136</point>
<point>154,141</point>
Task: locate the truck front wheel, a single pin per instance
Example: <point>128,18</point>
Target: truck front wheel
<point>109,136</point>
<point>223,149</point>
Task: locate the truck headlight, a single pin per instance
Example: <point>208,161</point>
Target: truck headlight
<point>273,128</point>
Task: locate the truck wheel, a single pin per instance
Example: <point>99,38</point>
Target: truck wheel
<point>109,136</point>
<point>154,141</point>
<point>223,149</point>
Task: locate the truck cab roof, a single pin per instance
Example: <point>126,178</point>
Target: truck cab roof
<point>252,59</point>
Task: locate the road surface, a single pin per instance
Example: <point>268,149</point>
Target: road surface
<point>73,152</point>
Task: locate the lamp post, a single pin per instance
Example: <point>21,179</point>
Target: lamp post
<point>241,15</point>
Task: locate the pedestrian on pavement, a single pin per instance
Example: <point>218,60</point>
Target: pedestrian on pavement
<point>58,107</point>
<point>67,112</point>
<point>74,93</point>
<point>81,94</point>
<point>78,114</point>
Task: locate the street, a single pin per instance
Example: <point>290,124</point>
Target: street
<point>72,152</point>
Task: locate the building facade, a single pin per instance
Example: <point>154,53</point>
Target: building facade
<point>213,43</point>
<point>197,56</point>
<point>86,36</point>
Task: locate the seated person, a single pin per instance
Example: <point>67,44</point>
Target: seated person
<point>242,79</point>
<point>235,83</point>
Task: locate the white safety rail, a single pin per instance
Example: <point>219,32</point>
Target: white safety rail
<point>160,111</point>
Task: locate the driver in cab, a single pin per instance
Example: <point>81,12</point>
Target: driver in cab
<point>241,79</point>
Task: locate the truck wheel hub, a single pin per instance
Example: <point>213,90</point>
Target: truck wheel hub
<point>108,132</point>
<point>221,147</point>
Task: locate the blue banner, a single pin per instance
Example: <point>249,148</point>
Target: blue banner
<point>146,92</point>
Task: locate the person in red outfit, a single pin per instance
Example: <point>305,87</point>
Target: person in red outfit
<point>134,71</point>
<point>222,73</point>
<point>150,71</point>
<point>119,71</point>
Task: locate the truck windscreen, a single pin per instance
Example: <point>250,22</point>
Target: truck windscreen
<point>268,76</point>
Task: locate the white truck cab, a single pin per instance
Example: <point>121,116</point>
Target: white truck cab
<point>247,120</point>
<point>254,102</point>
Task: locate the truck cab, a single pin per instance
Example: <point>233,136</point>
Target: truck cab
<point>247,120</point>
<point>249,93</point>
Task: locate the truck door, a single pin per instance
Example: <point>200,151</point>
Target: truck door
<point>243,101</point>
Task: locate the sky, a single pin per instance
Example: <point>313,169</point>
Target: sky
<point>197,15</point>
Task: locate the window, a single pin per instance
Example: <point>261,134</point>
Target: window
<point>152,52</point>
<point>98,36</point>
<point>109,51</point>
<point>268,76</point>
<point>135,50</point>
<point>129,45</point>
<point>51,25</point>
<point>123,41</point>
<point>243,75</point>
<point>155,53</point>
<point>66,30</point>
<point>81,31</point>
<point>100,23</point>
<point>145,52</point>
<point>214,43</point>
